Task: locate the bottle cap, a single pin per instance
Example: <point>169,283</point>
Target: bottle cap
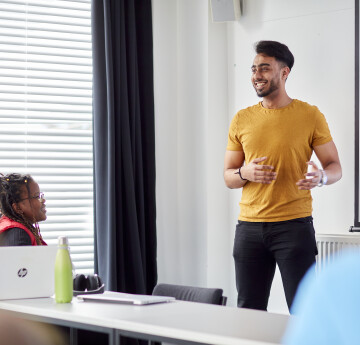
<point>63,241</point>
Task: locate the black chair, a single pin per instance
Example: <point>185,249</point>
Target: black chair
<point>191,293</point>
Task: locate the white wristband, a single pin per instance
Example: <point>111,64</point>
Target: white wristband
<point>323,179</point>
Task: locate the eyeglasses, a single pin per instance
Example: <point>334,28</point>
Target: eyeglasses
<point>39,197</point>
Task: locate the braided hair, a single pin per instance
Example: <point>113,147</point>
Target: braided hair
<point>10,192</point>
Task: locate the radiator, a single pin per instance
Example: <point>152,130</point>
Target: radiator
<point>329,246</point>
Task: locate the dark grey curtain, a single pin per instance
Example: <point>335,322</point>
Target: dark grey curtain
<point>124,145</point>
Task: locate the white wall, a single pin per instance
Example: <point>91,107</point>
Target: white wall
<point>202,77</point>
<point>190,68</point>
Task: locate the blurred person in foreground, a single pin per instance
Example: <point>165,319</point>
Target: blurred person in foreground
<point>14,331</point>
<point>327,305</point>
<point>22,207</point>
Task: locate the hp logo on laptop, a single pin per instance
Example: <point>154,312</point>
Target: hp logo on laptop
<point>22,272</point>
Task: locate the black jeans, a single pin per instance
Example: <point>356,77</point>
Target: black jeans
<point>259,246</point>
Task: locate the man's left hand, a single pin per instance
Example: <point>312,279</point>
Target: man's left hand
<point>312,178</point>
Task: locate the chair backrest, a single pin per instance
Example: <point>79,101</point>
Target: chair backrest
<point>191,293</point>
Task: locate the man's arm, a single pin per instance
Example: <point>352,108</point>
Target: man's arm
<point>233,161</point>
<point>329,159</point>
<point>253,171</point>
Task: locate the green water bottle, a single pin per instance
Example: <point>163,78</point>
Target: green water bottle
<point>63,273</point>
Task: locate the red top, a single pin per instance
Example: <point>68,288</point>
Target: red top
<point>7,223</point>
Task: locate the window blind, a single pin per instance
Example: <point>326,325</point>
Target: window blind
<point>46,113</point>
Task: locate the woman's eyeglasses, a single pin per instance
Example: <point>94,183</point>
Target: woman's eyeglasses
<point>39,197</point>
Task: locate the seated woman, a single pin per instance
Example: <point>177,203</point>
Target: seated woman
<point>22,206</point>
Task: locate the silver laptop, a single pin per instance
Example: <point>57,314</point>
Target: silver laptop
<point>27,271</point>
<point>125,298</point>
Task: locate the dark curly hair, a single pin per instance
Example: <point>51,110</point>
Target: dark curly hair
<point>10,192</point>
<point>277,50</point>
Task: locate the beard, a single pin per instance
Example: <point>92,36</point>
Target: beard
<point>273,87</point>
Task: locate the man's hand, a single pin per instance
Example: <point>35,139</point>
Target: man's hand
<point>312,178</point>
<point>260,173</point>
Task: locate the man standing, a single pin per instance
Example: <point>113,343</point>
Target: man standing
<point>268,152</point>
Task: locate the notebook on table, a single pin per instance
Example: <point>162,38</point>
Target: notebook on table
<point>27,271</point>
<point>125,298</point>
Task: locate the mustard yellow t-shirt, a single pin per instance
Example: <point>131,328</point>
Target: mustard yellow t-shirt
<point>286,136</point>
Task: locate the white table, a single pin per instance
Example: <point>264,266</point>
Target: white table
<point>176,322</point>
